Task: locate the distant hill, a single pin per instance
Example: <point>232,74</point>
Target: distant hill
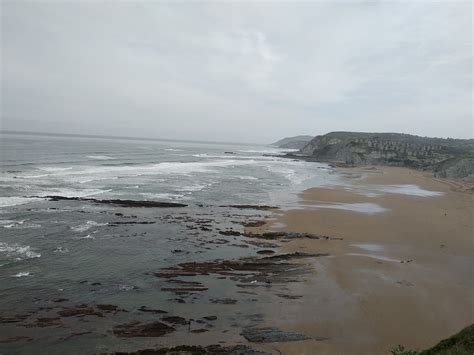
<point>296,142</point>
<point>452,158</point>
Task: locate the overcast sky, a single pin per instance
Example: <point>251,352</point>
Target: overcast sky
<point>240,71</point>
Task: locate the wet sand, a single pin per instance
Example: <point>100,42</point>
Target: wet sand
<point>400,276</point>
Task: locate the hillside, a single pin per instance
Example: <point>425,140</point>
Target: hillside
<point>451,158</point>
<point>296,142</point>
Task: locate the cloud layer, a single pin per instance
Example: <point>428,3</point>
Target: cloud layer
<point>240,71</point>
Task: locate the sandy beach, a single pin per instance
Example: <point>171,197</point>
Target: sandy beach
<point>401,273</point>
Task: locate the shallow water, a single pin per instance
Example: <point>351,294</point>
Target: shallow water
<point>57,255</point>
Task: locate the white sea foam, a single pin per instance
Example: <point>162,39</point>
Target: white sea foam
<point>366,207</point>
<point>54,168</point>
<point>84,173</point>
<point>13,201</point>
<point>195,187</point>
<point>269,151</point>
<point>100,157</point>
<point>61,250</point>
<point>288,173</point>
<point>67,192</point>
<point>8,223</point>
<point>368,246</point>
<point>86,226</point>
<point>241,177</point>
<point>377,257</point>
<point>164,195</point>
<point>238,157</point>
<point>89,236</point>
<point>22,274</point>
<point>412,190</point>
<point>18,252</point>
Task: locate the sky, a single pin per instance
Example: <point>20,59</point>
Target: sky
<point>250,72</point>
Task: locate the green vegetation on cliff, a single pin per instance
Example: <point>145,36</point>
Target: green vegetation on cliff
<point>461,343</point>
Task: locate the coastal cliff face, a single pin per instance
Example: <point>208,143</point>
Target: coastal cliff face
<point>296,142</point>
<point>395,149</point>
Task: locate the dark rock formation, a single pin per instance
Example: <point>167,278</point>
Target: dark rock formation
<point>121,203</point>
<point>197,350</point>
<point>271,335</point>
<point>137,329</point>
<point>253,207</point>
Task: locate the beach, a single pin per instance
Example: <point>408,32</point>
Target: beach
<point>399,274</point>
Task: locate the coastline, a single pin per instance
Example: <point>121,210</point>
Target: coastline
<point>401,275</point>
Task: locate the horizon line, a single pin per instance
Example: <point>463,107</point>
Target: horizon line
<point>95,136</point>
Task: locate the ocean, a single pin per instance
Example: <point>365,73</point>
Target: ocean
<point>58,257</point>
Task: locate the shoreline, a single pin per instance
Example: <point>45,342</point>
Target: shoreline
<point>401,275</point>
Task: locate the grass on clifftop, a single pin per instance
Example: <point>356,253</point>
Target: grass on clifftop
<point>461,343</point>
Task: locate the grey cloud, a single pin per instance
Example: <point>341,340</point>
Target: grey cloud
<point>237,71</point>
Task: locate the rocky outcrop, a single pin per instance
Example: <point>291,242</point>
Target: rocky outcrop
<point>296,142</point>
<point>395,149</point>
<point>456,168</point>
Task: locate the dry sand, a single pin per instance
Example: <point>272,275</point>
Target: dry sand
<point>402,276</point>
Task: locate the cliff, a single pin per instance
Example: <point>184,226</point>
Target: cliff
<point>452,158</point>
<point>296,142</point>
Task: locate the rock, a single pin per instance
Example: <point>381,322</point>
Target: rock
<point>456,168</point>
<point>15,339</point>
<point>256,270</point>
<point>79,312</point>
<point>14,319</point>
<point>253,207</point>
<point>137,329</point>
<point>223,301</point>
<point>110,308</point>
<point>230,232</point>
<point>117,202</point>
<point>199,330</point>
<point>148,310</point>
<point>59,300</point>
<point>46,322</point>
<point>197,350</point>
<point>266,252</point>
<point>271,335</point>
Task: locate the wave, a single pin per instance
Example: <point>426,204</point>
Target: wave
<point>67,192</point>
<point>18,252</point>
<point>269,151</point>
<point>89,236</point>
<point>100,157</point>
<point>13,201</point>
<point>166,168</point>
<point>86,226</point>
<point>164,196</point>
<point>23,274</point>
<point>54,169</point>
